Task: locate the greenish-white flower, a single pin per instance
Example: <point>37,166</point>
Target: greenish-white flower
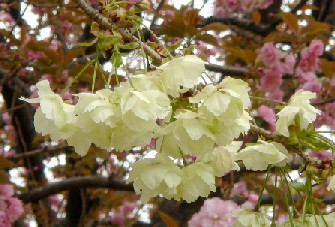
<point>102,107</point>
<point>189,134</point>
<point>222,158</point>
<point>58,119</point>
<point>230,97</point>
<point>249,218</point>
<point>141,109</point>
<point>259,156</point>
<point>197,180</point>
<point>331,185</point>
<point>181,74</point>
<point>226,129</point>
<point>143,82</point>
<point>154,176</point>
<point>51,104</point>
<point>299,105</point>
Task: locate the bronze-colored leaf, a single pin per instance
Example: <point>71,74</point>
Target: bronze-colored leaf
<point>327,67</point>
<point>167,219</point>
<point>291,20</point>
<point>5,163</point>
<point>218,27</point>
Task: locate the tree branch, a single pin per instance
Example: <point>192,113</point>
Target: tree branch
<point>227,70</point>
<point>116,184</point>
<point>75,182</point>
<point>46,150</point>
<point>242,23</point>
<point>105,22</point>
<point>259,29</point>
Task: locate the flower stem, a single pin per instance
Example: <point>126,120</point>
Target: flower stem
<point>268,100</point>
<point>258,205</point>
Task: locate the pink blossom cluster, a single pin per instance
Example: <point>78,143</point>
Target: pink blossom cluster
<point>309,65</point>
<point>119,217</point>
<point>276,64</point>
<point>6,17</point>
<point>11,208</point>
<point>240,189</point>
<point>226,7</point>
<point>206,50</point>
<point>268,115</point>
<point>327,116</point>
<point>213,213</point>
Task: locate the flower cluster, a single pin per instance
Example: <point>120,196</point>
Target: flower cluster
<point>217,212</point>
<point>259,156</point>
<point>277,64</point>
<point>298,106</point>
<point>213,213</point>
<point>308,65</point>
<point>186,120</point>
<point>226,7</point>
<point>11,207</point>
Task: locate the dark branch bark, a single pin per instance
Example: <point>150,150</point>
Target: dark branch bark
<point>46,151</point>
<point>227,70</point>
<point>75,182</point>
<point>259,29</point>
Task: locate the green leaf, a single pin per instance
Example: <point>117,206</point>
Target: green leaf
<point>88,44</point>
<point>299,187</point>
<point>315,141</point>
<point>129,46</point>
<point>189,49</point>
<point>116,59</point>
<point>95,28</point>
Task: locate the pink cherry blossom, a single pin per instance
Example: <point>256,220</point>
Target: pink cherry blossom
<point>268,115</point>
<point>276,94</point>
<point>35,54</point>
<point>288,65</point>
<point>213,213</point>
<point>11,208</point>
<point>321,154</point>
<point>312,85</point>
<point>325,119</point>
<point>310,56</point>
<point>309,62</point>
<point>271,81</point>
<point>305,76</point>
<point>269,54</point>
<point>316,47</point>
<point>119,216</point>
<point>127,207</point>
<point>240,188</point>
<point>6,190</point>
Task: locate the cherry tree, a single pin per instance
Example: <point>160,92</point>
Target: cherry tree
<point>137,112</point>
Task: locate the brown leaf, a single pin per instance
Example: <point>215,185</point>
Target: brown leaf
<point>215,27</point>
<point>73,53</point>
<point>246,55</point>
<point>4,177</point>
<point>5,163</point>
<point>256,16</point>
<point>328,67</point>
<point>291,20</point>
<point>207,38</point>
<point>167,219</point>
<point>278,36</point>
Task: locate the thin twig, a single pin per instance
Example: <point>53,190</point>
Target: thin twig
<point>105,22</point>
